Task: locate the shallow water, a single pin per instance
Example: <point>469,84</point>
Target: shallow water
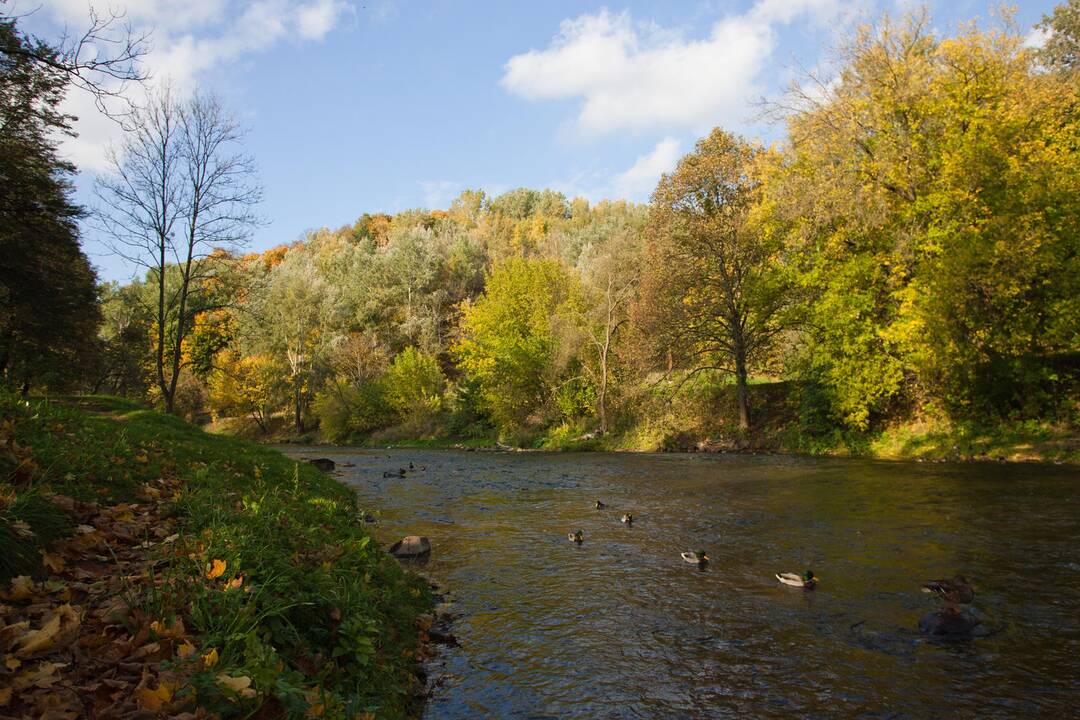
<point>622,627</point>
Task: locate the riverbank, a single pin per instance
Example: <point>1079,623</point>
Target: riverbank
<point>786,419</point>
<point>149,567</point>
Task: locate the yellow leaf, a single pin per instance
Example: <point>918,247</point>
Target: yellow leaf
<point>155,699</point>
<point>239,685</point>
<point>22,587</point>
<point>185,650</point>
<point>5,696</point>
<point>35,640</point>
<point>22,529</point>
<point>51,561</point>
<point>43,676</point>
<point>210,659</point>
<point>216,570</point>
<point>12,663</point>
<point>316,710</point>
<point>234,583</point>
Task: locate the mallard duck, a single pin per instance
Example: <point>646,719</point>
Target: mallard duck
<point>628,518</point>
<point>806,580</point>
<point>576,537</point>
<point>699,557</point>
<point>600,505</point>
<point>955,590</point>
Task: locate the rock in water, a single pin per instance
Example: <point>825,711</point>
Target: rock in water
<point>948,622</point>
<point>324,464</point>
<point>411,546</point>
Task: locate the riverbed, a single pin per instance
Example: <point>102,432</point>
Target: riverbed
<point>622,627</point>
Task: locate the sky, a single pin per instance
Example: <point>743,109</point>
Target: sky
<point>357,106</point>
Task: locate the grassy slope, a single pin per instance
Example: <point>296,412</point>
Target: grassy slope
<point>318,617</point>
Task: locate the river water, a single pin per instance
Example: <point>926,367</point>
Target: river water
<point>622,627</point>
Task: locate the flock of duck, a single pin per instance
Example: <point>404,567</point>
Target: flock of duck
<point>947,620</point>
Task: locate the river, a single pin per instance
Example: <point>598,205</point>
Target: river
<point>622,627</point>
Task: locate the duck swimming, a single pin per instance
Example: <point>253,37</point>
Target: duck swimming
<point>628,518</point>
<point>700,557</point>
<point>576,537</point>
<point>600,505</point>
<point>807,580</point>
<point>955,590</point>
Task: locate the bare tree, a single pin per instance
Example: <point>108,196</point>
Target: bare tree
<point>102,58</point>
<point>179,193</point>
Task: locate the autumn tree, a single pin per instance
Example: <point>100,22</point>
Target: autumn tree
<point>179,190</point>
<point>713,296</point>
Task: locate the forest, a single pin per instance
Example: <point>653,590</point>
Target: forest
<point>902,267</point>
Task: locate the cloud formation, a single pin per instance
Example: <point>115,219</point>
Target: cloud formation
<point>640,179</point>
<point>190,39</point>
<point>641,77</point>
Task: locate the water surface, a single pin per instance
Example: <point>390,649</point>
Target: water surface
<point>622,627</point>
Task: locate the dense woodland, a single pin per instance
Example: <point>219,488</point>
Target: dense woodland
<point>909,253</point>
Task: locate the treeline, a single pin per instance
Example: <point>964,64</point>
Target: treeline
<point>910,250</point>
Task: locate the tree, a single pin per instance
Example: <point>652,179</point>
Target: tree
<point>179,190</point>
<point>414,385</point>
<point>1061,53</point>
<point>930,193</point>
<point>103,60</point>
<point>610,277</point>
<point>49,310</point>
<point>507,342</point>
<point>712,295</point>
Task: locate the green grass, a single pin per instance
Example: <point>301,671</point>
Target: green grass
<point>327,617</point>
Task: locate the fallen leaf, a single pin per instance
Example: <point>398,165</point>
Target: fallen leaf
<point>239,685</point>
<point>22,587</point>
<point>36,640</point>
<point>5,696</point>
<point>234,583</point>
<point>52,562</point>
<point>210,659</point>
<point>22,529</point>
<point>154,700</point>
<point>43,676</point>
<point>185,650</point>
<point>217,569</point>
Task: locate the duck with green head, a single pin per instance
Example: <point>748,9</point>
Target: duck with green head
<point>806,581</point>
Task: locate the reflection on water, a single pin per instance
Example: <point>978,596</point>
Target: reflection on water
<point>623,627</point>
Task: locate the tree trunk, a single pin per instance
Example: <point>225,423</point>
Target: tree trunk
<point>742,391</point>
<point>299,409</point>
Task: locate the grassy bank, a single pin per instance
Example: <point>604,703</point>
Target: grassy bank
<point>151,567</point>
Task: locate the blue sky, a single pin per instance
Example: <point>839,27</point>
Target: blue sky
<point>375,105</point>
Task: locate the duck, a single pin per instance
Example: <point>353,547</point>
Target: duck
<point>699,557</point>
<point>600,505</point>
<point>954,590</point>
<point>576,537</point>
<point>628,518</point>
<point>391,474</point>
<point>807,580</point>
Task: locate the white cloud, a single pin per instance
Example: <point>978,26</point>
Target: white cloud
<point>439,193</point>
<point>1036,38</point>
<point>319,18</point>
<point>190,39</point>
<point>639,180</point>
<point>637,77</point>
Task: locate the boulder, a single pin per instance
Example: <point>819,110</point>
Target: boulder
<point>948,622</point>
<point>411,546</point>
<point>324,464</point>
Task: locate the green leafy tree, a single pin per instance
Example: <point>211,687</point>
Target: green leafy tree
<point>508,344</point>
<point>713,296</point>
<point>414,384</point>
